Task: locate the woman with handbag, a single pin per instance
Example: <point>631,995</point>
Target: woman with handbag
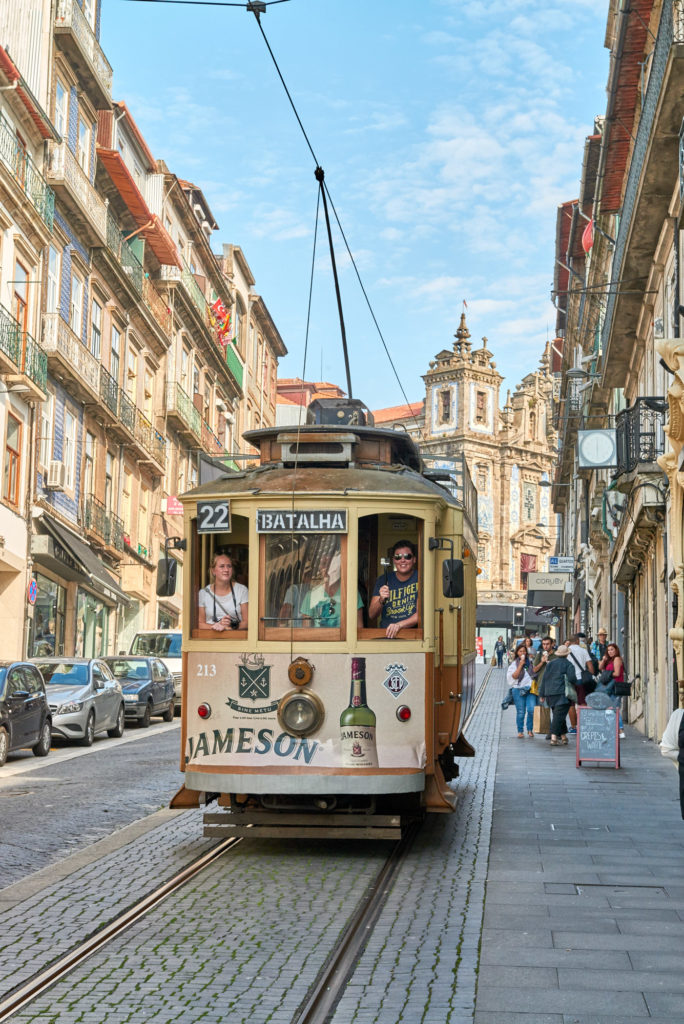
<point>612,663</point>
<point>557,689</point>
<point>519,677</point>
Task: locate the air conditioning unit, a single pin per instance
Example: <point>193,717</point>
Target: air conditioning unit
<point>56,475</point>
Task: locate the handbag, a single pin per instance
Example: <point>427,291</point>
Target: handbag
<point>623,689</point>
<point>603,678</point>
<point>570,691</point>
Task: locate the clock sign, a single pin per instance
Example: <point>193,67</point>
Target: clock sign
<point>596,449</point>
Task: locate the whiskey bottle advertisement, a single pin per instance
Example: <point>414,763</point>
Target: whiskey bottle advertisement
<point>357,723</point>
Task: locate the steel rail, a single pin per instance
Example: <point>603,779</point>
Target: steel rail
<point>76,956</point>
<point>333,976</point>
<point>335,973</point>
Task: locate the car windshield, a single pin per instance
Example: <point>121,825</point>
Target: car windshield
<point>130,668</point>
<point>160,645</point>
<point>63,673</point>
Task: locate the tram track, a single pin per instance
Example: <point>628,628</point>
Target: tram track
<point>323,995</point>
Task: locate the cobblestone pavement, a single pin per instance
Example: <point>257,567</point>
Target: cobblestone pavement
<point>57,808</point>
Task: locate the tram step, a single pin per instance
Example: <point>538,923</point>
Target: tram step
<point>300,832</point>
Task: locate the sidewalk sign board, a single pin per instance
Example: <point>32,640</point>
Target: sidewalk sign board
<point>598,738</point>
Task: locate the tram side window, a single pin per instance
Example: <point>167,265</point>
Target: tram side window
<point>391,573</point>
<point>222,604</point>
<point>304,583</point>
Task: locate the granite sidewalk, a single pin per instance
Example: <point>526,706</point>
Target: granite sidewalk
<point>584,901</point>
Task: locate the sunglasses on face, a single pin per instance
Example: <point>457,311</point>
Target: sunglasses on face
<point>403,558</point>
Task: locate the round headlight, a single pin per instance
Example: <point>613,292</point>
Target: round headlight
<point>300,714</point>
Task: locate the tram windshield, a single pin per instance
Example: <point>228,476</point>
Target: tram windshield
<point>304,587</point>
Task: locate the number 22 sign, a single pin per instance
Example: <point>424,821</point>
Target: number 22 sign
<point>213,517</point>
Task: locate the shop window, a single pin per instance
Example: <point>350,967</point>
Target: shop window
<point>46,627</point>
<point>12,470</point>
<point>92,625</point>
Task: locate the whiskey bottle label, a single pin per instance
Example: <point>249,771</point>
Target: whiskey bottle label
<point>358,746</point>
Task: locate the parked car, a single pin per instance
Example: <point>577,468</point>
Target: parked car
<point>84,698</point>
<point>147,687</point>
<point>25,719</point>
<point>164,644</point>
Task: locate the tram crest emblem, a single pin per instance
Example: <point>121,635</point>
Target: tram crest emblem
<point>396,682</point>
<point>254,682</point>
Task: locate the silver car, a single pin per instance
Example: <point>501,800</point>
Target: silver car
<point>84,698</point>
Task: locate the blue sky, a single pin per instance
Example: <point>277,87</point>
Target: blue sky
<point>449,131</point>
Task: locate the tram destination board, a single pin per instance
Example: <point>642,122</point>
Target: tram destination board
<point>301,520</point>
<point>597,736</point>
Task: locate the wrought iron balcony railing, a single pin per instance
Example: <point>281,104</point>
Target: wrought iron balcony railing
<point>135,421</point>
<point>22,349</point>
<point>103,522</point>
<point>640,433</point>
<point>119,247</point>
<point>69,18</point>
<point>65,171</point>
<point>26,174</point>
<point>178,402</point>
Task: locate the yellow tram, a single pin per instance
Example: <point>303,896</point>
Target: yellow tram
<point>296,706</point>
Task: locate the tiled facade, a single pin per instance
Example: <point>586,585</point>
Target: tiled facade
<point>131,352</point>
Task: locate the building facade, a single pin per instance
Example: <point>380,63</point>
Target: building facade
<point>509,454</point>
<point>131,351</point>
<point>619,411</point>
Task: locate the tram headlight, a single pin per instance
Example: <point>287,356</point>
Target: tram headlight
<point>300,713</point>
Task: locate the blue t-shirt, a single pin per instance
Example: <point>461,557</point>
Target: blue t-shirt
<point>403,599</point>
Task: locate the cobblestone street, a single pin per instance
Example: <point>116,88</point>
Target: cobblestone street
<point>553,896</point>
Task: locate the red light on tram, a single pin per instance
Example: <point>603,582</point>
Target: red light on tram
<point>204,710</point>
<point>403,713</point>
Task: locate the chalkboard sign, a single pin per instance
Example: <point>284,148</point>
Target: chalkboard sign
<point>597,735</point>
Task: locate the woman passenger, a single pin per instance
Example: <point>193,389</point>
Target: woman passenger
<point>223,604</point>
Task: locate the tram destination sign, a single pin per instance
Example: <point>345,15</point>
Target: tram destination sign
<point>301,520</point>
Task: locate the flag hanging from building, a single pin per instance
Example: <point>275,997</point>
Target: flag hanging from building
<point>588,236</point>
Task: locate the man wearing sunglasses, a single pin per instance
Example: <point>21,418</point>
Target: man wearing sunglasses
<point>395,594</point>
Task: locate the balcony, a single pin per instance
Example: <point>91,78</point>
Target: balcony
<point>124,255</point>
<point>74,189</point>
<point>26,174</point>
<point>641,437</point>
<point>103,524</point>
<point>22,360</point>
<point>234,363</point>
<point>69,358</point>
<point>210,441</point>
<point>128,422</point>
<point>77,39</point>
<point>156,305</point>
<point>182,414</point>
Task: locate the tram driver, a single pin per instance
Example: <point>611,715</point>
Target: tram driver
<point>395,594</point>
<point>223,604</point>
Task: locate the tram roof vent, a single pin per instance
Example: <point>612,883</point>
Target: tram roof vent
<point>341,412</point>
<point>331,449</point>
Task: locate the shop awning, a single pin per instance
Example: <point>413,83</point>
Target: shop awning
<point>154,232</point>
<point>549,590</point>
<point>66,554</point>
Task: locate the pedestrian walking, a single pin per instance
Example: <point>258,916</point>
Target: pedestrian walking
<point>547,654</point>
<point>520,680</point>
<point>555,690</point>
<point>672,746</point>
<point>579,656</point>
<point>499,651</point>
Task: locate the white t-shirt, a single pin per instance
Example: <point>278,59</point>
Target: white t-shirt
<point>225,605</point>
<point>581,656</point>
<point>524,681</point>
<point>669,745</point>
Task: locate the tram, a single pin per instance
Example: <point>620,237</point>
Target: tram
<point>303,711</point>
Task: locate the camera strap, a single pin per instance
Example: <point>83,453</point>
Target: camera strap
<point>223,610</point>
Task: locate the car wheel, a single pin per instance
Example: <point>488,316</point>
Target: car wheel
<point>118,729</point>
<point>42,747</point>
<point>4,745</point>
<point>145,720</point>
<point>89,736</point>
<point>170,712</point>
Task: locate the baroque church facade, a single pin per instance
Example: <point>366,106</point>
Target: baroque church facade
<point>510,454</point>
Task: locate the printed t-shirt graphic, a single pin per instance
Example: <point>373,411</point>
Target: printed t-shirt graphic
<point>403,599</point>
